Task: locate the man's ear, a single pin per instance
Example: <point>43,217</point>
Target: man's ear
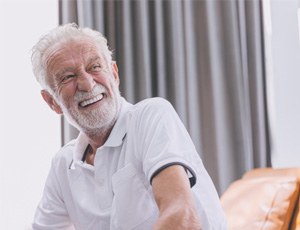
<point>51,102</point>
<point>115,72</point>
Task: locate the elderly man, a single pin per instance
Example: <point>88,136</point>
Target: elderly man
<point>132,166</point>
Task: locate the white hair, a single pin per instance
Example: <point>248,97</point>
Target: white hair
<point>63,34</point>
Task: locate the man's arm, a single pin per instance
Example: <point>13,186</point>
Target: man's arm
<point>51,212</point>
<point>172,192</point>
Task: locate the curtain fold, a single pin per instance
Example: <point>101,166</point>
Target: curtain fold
<point>206,57</point>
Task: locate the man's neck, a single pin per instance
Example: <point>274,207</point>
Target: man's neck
<point>98,137</point>
<point>96,140</point>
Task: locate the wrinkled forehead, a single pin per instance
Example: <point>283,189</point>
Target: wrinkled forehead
<point>80,47</point>
<point>81,50</point>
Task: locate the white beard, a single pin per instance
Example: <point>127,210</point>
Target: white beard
<point>98,119</point>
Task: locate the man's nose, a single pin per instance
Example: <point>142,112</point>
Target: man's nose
<point>85,82</point>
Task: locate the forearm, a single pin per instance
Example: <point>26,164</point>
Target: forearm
<point>178,218</point>
<point>175,201</point>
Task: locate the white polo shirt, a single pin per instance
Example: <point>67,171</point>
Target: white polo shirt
<point>116,192</point>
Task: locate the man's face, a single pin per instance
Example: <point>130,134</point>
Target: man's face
<point>85,85</point>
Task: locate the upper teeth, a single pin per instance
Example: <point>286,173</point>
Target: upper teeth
<point>91,100</point>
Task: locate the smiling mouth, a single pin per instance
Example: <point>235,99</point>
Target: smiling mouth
<point>91,101</point>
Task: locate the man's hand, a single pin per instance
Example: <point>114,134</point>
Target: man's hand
<point>172,192</point>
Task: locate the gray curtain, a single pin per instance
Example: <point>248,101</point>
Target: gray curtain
<point>206,57</point>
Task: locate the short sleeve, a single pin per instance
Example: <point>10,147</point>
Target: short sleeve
<point>164,141</point>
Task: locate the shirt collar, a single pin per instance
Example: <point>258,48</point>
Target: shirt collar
<point>115,138</point>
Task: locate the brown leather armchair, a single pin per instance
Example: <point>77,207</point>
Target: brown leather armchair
<point>264,198</point>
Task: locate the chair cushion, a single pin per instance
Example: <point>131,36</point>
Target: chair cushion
<point>275,172</point>
<point>261,202</point>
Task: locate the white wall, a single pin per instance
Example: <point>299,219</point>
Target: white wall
<point>29,131</point>
<point>283,57</point>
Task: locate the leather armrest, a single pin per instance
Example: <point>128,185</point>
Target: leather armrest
<point>262,199</point>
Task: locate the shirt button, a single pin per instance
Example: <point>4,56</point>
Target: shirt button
<point>100,182</point>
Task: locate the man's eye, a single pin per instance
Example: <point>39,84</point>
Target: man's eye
<point>96,67</point>
<point>67,77</point>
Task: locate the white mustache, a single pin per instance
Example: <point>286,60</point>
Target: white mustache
<point>98,89</point>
